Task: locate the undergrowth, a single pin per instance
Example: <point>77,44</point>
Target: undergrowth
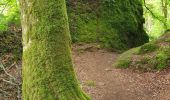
<point>152,56</point>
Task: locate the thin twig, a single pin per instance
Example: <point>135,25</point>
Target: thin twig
<point>2,66</point>
<point>9,82</point>
<point>14,82</point>
<point>10,66</point>
<point>4,92</point>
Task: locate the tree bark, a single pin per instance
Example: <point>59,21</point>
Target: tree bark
<point>48,72</point>
<point>165,11</point>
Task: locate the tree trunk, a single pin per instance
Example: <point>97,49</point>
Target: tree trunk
<point>48,72</point>
<point>165,12</point>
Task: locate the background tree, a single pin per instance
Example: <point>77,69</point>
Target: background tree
<point>165,11</point>
<point>9,14</point>
<point>157,17</point>
<point>47,66</point>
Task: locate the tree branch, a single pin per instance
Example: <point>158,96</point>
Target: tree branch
<point>156,17</point>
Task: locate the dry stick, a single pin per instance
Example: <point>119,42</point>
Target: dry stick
<point>19,83</point>
<point>9,82</point>
<point>10,66</point>
<point>5,93</point>
<point>2,66</point>
<point>15,80</point>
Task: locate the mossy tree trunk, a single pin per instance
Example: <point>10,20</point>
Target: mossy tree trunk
<point>48,72</point>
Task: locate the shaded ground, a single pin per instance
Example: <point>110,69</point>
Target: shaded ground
<point>98,78</point>
<point>103,82</point>
<point>10,78</point>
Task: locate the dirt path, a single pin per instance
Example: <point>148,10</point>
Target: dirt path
<point>103,82</point>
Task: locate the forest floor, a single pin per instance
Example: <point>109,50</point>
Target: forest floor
<point>104,82</point>
<point>99,79</point>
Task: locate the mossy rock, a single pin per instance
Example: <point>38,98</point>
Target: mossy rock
<point>152,56</point>
<point>105,22</point>
<point>125,59</point>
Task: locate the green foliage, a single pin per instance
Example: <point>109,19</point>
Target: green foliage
<point>9,14</point>
<point>2,22</point>
<point>163,58</point>
<point>123,64</point>
<point>155,19</point>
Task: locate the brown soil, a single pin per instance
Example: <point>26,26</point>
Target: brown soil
<point>104,82</point>
<point>100,80</point>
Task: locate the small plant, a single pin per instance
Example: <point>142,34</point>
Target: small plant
<point>123,63</point>
<point>80,51</point>
<point>161,60</point>
<point>90,83</point>
<point>126,58</point>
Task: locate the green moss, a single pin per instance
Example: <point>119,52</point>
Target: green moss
<point>162,58</point>
<point>90,83</point>
<point>157,62</point>
<point>82,21</point>
<point>161,61</point>
<point>130,31</point>
<point>48,72</point>
<point>106,22</point>
<point>151,56</point>
<point>143,64</point>
<point>148,47</point>
<point>123,64</point>
<point>125,59</point>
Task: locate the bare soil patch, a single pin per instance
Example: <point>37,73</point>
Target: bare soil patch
<point>104,82</point>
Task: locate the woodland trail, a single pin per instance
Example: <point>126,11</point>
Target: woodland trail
<point>101,80</point>
<point>104,82</point>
